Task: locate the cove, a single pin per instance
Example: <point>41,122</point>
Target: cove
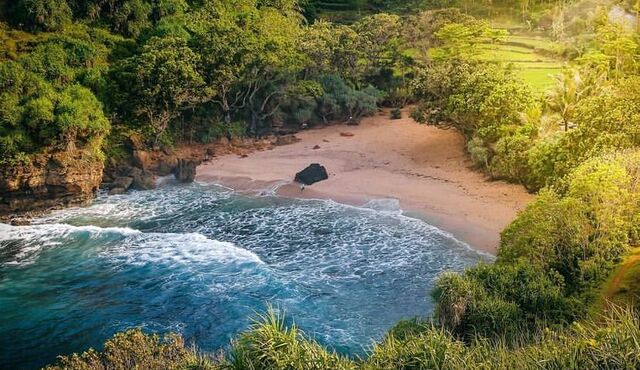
<point>202,260</point>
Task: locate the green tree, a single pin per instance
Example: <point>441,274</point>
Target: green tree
<point>47,15</point>
<point>462,40</point>
<point>80,118</point>
<point>379,41</point>
<point>163,81</point>
<point>571,87</point>
<point>248,55</point>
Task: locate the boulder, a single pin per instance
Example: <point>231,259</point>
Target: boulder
<point>167,165</point>
<point>20,221</point>
<point>117,191</point>
<point>121,182</point>
<point>141,159</point>
<point>312,174</point>
<point>142,179</point>
<point>185,171</point>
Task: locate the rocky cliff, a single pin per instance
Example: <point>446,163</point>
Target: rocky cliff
<point>50,181</point>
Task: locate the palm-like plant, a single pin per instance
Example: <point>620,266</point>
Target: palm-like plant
<point>571,87</point>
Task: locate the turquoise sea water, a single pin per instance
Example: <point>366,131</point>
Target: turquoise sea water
<point>202,261</point>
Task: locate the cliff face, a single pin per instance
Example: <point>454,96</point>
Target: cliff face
<point>50,181</point>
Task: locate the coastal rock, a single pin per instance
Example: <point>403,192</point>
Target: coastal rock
<point>20,221</point>
<point>166,165</point>
<point>142,179</point>
<point>312,174</point>
<point>50,181</point>
<point>134,142</point>
<point>185,170</point>
<point>141,159</point>
<point>121,182</point>
<point>117,191</point>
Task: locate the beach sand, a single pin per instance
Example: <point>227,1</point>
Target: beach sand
<point>426,169</point>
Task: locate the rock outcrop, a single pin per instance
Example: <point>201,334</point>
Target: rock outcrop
<point>312,174</point>
<point>185,171</point>
<point>50,181</point>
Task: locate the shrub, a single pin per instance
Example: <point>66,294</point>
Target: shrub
<point>478,98</point>
<point>432,349</point>
<point>270,345</point>
<point>134,349</point>
<point>479,152</point>
<point>396,113</point>
<point>510,158</point>
<point>584,226</point>
<point>611,343</point>
<point>501,300</point>
<point>340,101</point>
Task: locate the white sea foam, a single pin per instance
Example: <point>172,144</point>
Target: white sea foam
<point>387,205</point>
<point>180,249</point>
<point>272,190</point>
<point>134,245</point>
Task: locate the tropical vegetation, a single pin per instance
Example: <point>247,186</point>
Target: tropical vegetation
<point>87,74</point>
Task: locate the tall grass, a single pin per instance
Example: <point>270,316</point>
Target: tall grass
<point>270,345</point>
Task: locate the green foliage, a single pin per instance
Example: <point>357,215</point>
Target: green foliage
<point>134,349</point>
<point>457,40</point>
<point>612,343</point>
<point>510,158</point>
<point>36,111</point>
<point>583,227</point>
<point>432,349</point>
<point>79,116</point>
<point>270,345</point>
<point>502,300</point>
<point>160,82</point>
<point>477,98</point>
<point>341,101</point>
<point>47,15</point>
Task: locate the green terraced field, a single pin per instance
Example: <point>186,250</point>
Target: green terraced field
<point>532,57</point>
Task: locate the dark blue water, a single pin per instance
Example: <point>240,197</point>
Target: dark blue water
<point>202,261</point>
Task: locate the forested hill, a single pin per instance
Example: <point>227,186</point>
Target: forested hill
<point>81,79</point>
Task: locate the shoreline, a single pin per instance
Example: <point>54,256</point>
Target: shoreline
<point>425,168</point>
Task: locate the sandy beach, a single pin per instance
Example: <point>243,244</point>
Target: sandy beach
<point>426,169</point>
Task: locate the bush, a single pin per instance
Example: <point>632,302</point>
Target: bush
<point>396,113</point>
<point>134,349</point>
<point>479,152</point>
<point>583,227</point>
<point>501,300</point>
<point>510,157</point>
<point>611,343</point>
<point>433,349</point>
<point>270,345</point>
<point>340,101</point>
